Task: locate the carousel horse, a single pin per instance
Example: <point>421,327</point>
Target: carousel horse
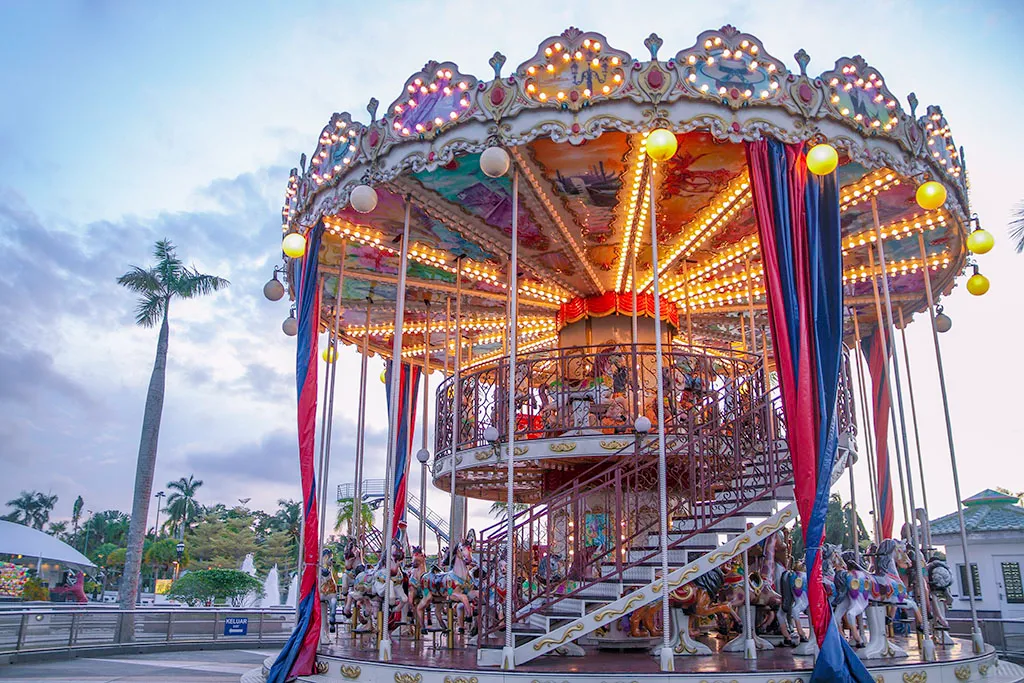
<point>370,587</point>
<point>940,580</point>
<point>856,588</point>
<point>328,588</point>
<point>791,584</point>
<point>353,567</point>
<point>454,585</point>
<point>417,589</point>
<point>762,594</point>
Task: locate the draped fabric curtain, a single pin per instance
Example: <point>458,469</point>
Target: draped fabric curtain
<point>299,653</point>
<point>408,386</point>
<point>874,349</point>
<point>799,229</point>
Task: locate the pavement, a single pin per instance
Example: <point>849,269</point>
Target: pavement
<point>209,666</point>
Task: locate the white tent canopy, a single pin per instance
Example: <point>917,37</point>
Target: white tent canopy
<point>18,539</point>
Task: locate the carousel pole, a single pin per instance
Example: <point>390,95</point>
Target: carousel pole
<point>869,430</point>
<point>456,402</point>
<point>750,307</point>
<point>667,660</point>
<point>632,279</point>
<point>357,494</point>
<point>927,646</point>
<point>508,658</point>
<point>686,295</point>
<point>976,637</point>
<point>913,410</point>
<point>423,429</point>
<point>850,401</point>
<point>384,653</point>
<point>884,340</point>
<point>325,469</point>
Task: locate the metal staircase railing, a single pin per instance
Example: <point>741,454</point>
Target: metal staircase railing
<point>434,521</point>
<point>600,522</point>
<point>373,492</point>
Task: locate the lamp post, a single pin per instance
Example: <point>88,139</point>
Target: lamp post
<point>180,549</point>
<point>156,525</point>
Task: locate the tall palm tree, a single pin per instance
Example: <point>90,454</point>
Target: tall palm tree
<point>182,508</point>
<point>58,529</point>
<point>24,508</point>
<point>76,514</point>
<point>168,279</point>
<point>1017,227</point>
<point>499,509</point>
<point>288,518</point>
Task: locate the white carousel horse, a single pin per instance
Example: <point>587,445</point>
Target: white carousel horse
<point>328,588</point>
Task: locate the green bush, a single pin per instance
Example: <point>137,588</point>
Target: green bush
<point>35,590</point>
<point>204,586</point>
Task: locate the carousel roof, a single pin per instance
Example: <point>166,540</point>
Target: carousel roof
<point>574,118</point>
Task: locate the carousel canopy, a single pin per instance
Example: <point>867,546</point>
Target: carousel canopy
<point>18,539</point>
<point>574,118</point>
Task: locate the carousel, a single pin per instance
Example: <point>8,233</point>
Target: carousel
<point>666,296</point>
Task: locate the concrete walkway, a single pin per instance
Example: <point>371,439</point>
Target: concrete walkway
<point>219,666</point>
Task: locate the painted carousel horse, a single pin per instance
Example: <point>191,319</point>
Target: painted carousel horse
<point>762,594</point>
<point>370,587</point>
<point>454,585</point>
<point>417,590</point>
<point>856,588</point>
<point>688,603</point>
<point>791,583</point>
<point>328,586</point>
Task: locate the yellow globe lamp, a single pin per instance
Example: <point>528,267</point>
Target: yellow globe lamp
<point>931,195</point>
<point>822,159</point>
<point>977,284</point>
<point>329,355</point>
<point>294,245</point>
<point>662,144</point>
<point>980,241</point>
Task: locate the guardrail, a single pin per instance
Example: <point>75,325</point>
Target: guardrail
<point>69,629</point>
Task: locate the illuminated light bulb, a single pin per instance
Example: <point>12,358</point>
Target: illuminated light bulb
<point>294,245</point>
<point>662,144</point>
<point>980,241</point>
<point>931,195</point>
<point>822,159</point>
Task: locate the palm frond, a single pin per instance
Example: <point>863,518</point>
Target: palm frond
<point>141,281</point>
<point>168,264</point>
<point>150,310</point>
<point>1017,227</point>
<point>192,283</point>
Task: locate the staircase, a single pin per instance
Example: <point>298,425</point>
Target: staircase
<point>373,495</point>
<point>723,472</point>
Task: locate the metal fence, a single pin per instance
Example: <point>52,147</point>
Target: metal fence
<point>65,629</point>
<point>1005,635</point>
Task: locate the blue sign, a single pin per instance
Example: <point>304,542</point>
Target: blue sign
<point>236,626</point>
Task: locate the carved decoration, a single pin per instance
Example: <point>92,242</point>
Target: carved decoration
<point>915,677</point>
<point>401,677</point>
<point>562,447</point>
<point>962,673</point>
<point>350,672</point>
<point>434,100</point>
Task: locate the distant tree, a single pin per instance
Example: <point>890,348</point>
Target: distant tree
<point>279,548</point>
<point>837,528</point>
<point>100,554</point>
<point>182,507</point>
<point>214,543</point>
<point>109,526</point>
<point>58,529</point>
<point>76,514</point>
<point>168,279</point>
<point>31,508</point>
<point>1017,227</point>
<point>499,509</point>
<point>345,516</point>
<point>215,585</point>
<point>163,554</point>
<point>288,517</point>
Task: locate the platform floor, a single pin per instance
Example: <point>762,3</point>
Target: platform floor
<point>408,652</point>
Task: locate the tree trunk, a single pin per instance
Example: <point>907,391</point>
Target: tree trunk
<point>144,469</point>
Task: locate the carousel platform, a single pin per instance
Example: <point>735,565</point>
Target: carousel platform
<point>423,662</point>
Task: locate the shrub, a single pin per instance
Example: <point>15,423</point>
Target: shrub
<point>215,585</point>
<point>35,590</point>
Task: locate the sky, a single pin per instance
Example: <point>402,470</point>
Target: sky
<point>126,122</point>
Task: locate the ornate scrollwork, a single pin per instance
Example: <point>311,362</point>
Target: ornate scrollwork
<point>915,677</point>
<point>562,447</point>
<point>983,669</point>
<point>350,672</point>
<point>544,642</point>
<point>614,445</point>
<point>401,677</point>
<point>962,673</point>
<point>460,679</point>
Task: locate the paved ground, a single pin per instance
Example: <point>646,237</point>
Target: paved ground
<point>211,666</point>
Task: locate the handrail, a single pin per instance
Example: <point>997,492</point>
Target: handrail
<point>26,630</point>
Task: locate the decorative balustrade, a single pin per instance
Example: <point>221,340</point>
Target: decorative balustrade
<point>566,391</point>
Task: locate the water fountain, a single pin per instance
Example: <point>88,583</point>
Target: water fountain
<point>272,588</point>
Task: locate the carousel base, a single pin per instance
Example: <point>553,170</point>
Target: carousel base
<point>426,661</point>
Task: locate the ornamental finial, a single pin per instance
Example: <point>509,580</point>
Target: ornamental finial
<point>497,61</point>
<point>371,107</point>
<point>653,44</point>
<point>912,101</point>
<point>803,59</point>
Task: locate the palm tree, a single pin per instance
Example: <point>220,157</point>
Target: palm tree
<point>76,514</point>
<point>168,279</point>
<point>182,508</point>
<point>44,506</point>
<point>499,509</point>
<point>1017,227</point>
<point>58,529</point>
<point>345,515</point>
<point>288,518</point>
<point>24,508</point>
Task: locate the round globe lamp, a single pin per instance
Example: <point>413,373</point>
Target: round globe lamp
<point>294,245</point>
<point>822,159</point>
<point>662,144</point>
